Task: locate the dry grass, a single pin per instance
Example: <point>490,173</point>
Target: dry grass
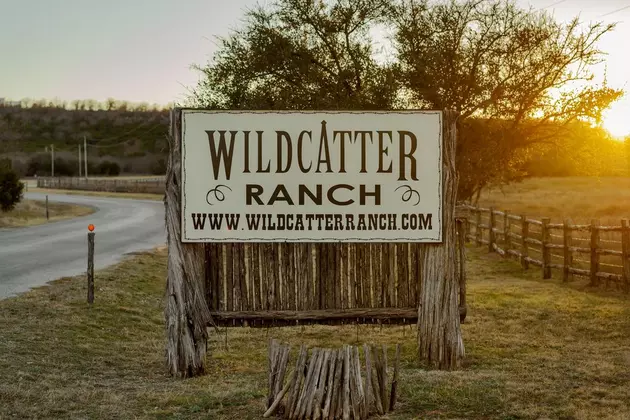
<point>33,212</point>
<point>535,350</point>
<point>580,199</point>
<point>136,196</point>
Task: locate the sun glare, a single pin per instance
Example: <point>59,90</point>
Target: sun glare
<point>616,120</point>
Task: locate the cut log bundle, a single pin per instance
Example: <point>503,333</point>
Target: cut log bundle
<point>329,384</point>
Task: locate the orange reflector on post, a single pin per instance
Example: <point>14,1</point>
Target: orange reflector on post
<point>90,227</point>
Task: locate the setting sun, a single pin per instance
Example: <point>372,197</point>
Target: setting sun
<point>616,120</point>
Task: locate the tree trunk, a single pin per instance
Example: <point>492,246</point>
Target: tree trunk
<point>186,310</point>
<point>439,334</point>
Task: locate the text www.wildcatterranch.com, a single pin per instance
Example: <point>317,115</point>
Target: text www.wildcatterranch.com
<point>311,221</point>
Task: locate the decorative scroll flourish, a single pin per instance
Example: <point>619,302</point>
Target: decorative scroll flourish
<point>217,193</point>
<point>408,194</point>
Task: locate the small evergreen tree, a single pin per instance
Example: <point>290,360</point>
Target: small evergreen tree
<point>11,189</point>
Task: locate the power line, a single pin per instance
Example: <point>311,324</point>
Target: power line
<point>553,4</point>
<point>616,11</point>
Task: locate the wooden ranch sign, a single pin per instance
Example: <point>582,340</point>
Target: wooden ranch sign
<point>328,217</point>
<point>311,176</point>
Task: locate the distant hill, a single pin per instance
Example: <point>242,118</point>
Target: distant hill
<point>134,137</point>
<point>131,139</point>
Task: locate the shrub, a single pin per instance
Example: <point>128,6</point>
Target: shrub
<point>109,168</point>
<point>11,189</point>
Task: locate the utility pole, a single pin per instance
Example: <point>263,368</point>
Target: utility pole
<point>79,160</point>
<point>52,160</point>
<point>85,172</point>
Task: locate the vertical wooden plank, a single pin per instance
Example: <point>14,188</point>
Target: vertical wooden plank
<point>322,265</point>
<point>345,275</point>
<point>376,275</point>
<point>403,276</point>
<point>524,246</point>
<point>349,276</point>
<point>546,251</point>
<point>277,297</point>
<point>263,262</point>
<point>254,277</point>
<point>393,274</point>
<point>229,285</point>
<point>594,254</point>
<point>243,275</point>
<point>282,285</point>
<point>625,254</point>
<point>220,277</point>
<point>491,235</point>
<point>291,275</point>
<point>384,272</point>
<point>236,273</point>
<point>362,264</point>
<point>333,270</point>
<point>566,251</point>
<point>507,241</point>
<point>212,269</point>
<point>371,255</point>
<point>312,277</point>
<point>412,275</point>
<point>306,293</point>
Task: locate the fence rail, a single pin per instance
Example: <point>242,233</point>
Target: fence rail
<point>599,253</point>
<point>139,185</point>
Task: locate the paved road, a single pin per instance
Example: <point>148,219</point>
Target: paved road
<point>35,255</point>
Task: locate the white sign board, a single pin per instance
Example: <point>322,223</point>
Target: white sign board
<point>320,176</point>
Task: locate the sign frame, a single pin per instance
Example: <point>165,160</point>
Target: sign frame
<point>410,237</point>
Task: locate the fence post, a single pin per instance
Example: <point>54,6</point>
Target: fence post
<point>506,233</point>
<point>90,265</point>
<point>47,207</point>
<point>524,247</point>
<point>491,238</point>
<point>594,253</point>
<point>625,254</point>
<point>546,251</point>
<point>567,254</point>
<point>478,232</point>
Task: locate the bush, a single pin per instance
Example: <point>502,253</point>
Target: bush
<point>11,189</point>
<point>109,168</point>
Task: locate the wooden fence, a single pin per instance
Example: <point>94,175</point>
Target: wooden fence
<point>262,284</point>
<point>599,253</point>
<point>137,185</point>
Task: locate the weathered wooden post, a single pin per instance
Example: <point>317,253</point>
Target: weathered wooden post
<point>546,251</point>
<point>594,269</point>
<point>47,216</point>
<point>186,310</point>
<point>524,246</point>
<point>507,241</point>
<point>567,254</point>
<point>90,265</point>
<point>439,330</point>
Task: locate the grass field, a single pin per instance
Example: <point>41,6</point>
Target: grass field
<point>535,349</point>
<point>581,199</point>
<point>33,212</point>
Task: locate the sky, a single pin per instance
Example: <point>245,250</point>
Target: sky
<point>142,50</point>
